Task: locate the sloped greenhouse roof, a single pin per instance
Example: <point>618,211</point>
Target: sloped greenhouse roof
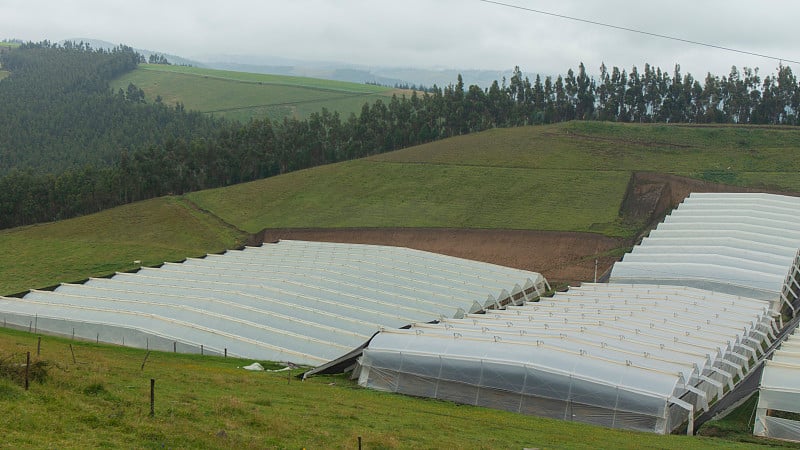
<point>742,244</point>
<point>296,301</point>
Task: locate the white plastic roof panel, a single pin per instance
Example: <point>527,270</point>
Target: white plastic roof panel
<point>303,302</point>
<point>599,346</point>
<point>743,244</point>
<point>780,391</point>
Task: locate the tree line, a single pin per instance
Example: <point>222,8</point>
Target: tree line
<point>134,149</point>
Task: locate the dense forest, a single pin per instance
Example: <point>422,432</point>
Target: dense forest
<point>69,145</point>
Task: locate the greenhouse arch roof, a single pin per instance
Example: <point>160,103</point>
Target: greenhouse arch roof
<point>304,302</point>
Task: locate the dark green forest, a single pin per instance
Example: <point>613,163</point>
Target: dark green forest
<point>69,145</point>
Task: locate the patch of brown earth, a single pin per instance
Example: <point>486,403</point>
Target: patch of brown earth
<point>559,256</point>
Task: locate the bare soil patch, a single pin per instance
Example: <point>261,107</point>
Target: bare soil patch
<point>559,256</point>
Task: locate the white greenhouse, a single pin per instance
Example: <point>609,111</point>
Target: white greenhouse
<point>779,393</point>
<point>640,357</point>
<point>741,244</point>
<point>303,302</point>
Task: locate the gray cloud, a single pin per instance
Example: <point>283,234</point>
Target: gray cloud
<point>446,33</point>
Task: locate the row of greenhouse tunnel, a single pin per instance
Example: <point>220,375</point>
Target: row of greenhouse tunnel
<point>705,301</point>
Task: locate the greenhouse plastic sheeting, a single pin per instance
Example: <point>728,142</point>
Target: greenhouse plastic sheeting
<point>293,301</point>
<point>741,244</point>
<point>640,357</point>
<point>780,392</point>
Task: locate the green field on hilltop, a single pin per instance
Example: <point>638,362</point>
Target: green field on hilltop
<point>740,155</point>
<point>368,193</point>
<point>566,177</point>
<point>242,96</point>
<point>153,231</point>
<point>102,400</point>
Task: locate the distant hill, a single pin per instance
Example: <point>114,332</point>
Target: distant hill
<point>387,76</point>
<point>328,70</point>
<point>173,59</point>
<point>242,95</point>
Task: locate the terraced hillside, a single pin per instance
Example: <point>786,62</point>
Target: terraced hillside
<point>241,96</point>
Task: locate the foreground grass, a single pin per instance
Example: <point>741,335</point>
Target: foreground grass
<point>242,96</point>
<point>152,232</point>
<point>101,399</point>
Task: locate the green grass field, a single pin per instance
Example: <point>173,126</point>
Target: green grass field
<point>566,177</point>
<point>747,156</point>
<point>101,399</point>
<point>371,193</point>
<point>242,96</point>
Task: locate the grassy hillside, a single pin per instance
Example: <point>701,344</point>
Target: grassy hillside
<point>566,177</point>
<point>102,399</point>
<point>373,193</point>
<point>241,96</point>
<point>154,231</point>
<point>746,156</point>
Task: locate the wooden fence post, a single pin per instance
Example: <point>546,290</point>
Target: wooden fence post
<point>152,397</point>
<point>27,368</point>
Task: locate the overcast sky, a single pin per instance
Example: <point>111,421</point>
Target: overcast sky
<point>456,34</point>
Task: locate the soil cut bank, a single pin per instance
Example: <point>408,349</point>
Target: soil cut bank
<point>562,257</point>
<point>559,256</point>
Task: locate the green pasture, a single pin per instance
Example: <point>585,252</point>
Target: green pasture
<point>746,156</point>
<point>152,232</point>
<point>242,96</point>
<point>101,398</point>
<point>566,177</point>
<point>369,193</point>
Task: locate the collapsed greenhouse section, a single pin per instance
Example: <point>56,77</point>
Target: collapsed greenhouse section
<point>625,356</point>
<point>686,316</point>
